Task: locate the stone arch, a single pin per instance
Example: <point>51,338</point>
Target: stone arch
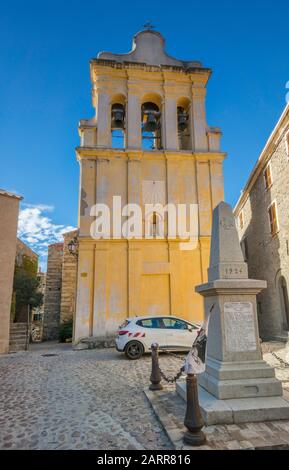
<point>184,124</point>
<point>151,121</point>
<point>283,297</point>
<point>118,120</point>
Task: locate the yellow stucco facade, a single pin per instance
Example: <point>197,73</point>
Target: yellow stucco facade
<point>121,277</point>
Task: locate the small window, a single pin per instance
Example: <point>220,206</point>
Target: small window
<point>244,248</point>
<point>148,323</point>
<point>174,324</point>
<point>268,176</point>
<point>241,220</point>
<point>272,211</point>
<point>37,317</point>
<point>155,225</point>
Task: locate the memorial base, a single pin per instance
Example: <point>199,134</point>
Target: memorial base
<point>239,410</point>
<point>247,379</point>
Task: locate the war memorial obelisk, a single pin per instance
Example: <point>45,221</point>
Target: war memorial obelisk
<point>237,385</point>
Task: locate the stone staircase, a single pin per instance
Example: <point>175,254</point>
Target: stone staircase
<point>18,337</point>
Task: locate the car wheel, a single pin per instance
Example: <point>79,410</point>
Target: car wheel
<point>134,350</point>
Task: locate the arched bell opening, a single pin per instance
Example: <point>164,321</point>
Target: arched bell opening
<point>118,122</point>
<point>150,126</point>
<point>284,301</point>
<point>184,124</point>
<point>155,224</point>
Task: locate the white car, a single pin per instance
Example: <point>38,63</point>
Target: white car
<point>136,335</point>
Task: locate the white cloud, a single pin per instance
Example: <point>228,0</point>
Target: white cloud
<point>38,230</point>
<point>42,207</point>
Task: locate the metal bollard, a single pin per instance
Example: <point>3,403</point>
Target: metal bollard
<point>193,419</point>
<point>155,377</point>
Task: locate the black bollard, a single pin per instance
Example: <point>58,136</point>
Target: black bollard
<point>193,419</point>
<point>155,377</point>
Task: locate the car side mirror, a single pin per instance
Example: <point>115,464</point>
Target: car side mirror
<point>190,328</point>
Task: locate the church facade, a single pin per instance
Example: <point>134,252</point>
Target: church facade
<point>147,145</point>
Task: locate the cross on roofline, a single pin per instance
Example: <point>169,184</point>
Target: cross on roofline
<point>148,25</point>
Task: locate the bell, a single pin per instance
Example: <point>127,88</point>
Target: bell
<point>182,121</point>
<point>117,117</point>
<point>151,123</point>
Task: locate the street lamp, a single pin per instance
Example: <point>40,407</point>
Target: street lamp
<point>73,247</point>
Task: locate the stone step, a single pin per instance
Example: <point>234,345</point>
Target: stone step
<point>17,341</point>
<point>17,348</point>
<point>18,326</point>
<point>170,410</point>
<point>238,410</point>
<point>16,336</point>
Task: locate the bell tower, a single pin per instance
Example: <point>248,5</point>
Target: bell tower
<point>148,143</point>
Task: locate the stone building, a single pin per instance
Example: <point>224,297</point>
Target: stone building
<point>149,143</point>
<point>52,297</point>
<point>9,208</point>
<point>39,311</point>
<point>262,214</point>
<point>27,260</point>
<point>69,278</point>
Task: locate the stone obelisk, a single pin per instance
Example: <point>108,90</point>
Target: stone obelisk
<point>237,385</point>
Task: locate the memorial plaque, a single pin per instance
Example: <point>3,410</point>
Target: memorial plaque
<point>239,327</point>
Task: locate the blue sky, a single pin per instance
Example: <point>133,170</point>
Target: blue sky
<point>45,87</point>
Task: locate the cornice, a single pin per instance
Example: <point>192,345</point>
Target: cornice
<point>134,154</point>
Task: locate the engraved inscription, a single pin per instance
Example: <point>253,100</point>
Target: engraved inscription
<point>239,327</point>
<point>227,223</point>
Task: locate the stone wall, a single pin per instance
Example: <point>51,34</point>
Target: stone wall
<point>268,256</point>
<point>27,260</point>
<point>9,207</point>
<point>69,278</point>
<point>24,251</point>
<point>52,298</point>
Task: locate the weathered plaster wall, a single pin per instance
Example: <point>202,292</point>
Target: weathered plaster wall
<point>9,207</point>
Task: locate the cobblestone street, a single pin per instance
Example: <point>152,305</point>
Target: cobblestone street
<point>90,399</point>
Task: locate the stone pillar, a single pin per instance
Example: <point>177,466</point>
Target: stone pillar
<point>103,116</point>
<point>85,291</point>
<point>134,277</point>
<point>170,138</point>
<point>199,119</point>
<point>9,207</point>
<point>101,301</point>
<point>134,251</point>
<point>52,297</point>
<point>204,196</point>
<point>87,194</point>
<point>217,181</point>
<point>133,118</point>
<point>214,139</point>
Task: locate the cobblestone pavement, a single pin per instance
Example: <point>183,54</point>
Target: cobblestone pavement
<point>90,399</point>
